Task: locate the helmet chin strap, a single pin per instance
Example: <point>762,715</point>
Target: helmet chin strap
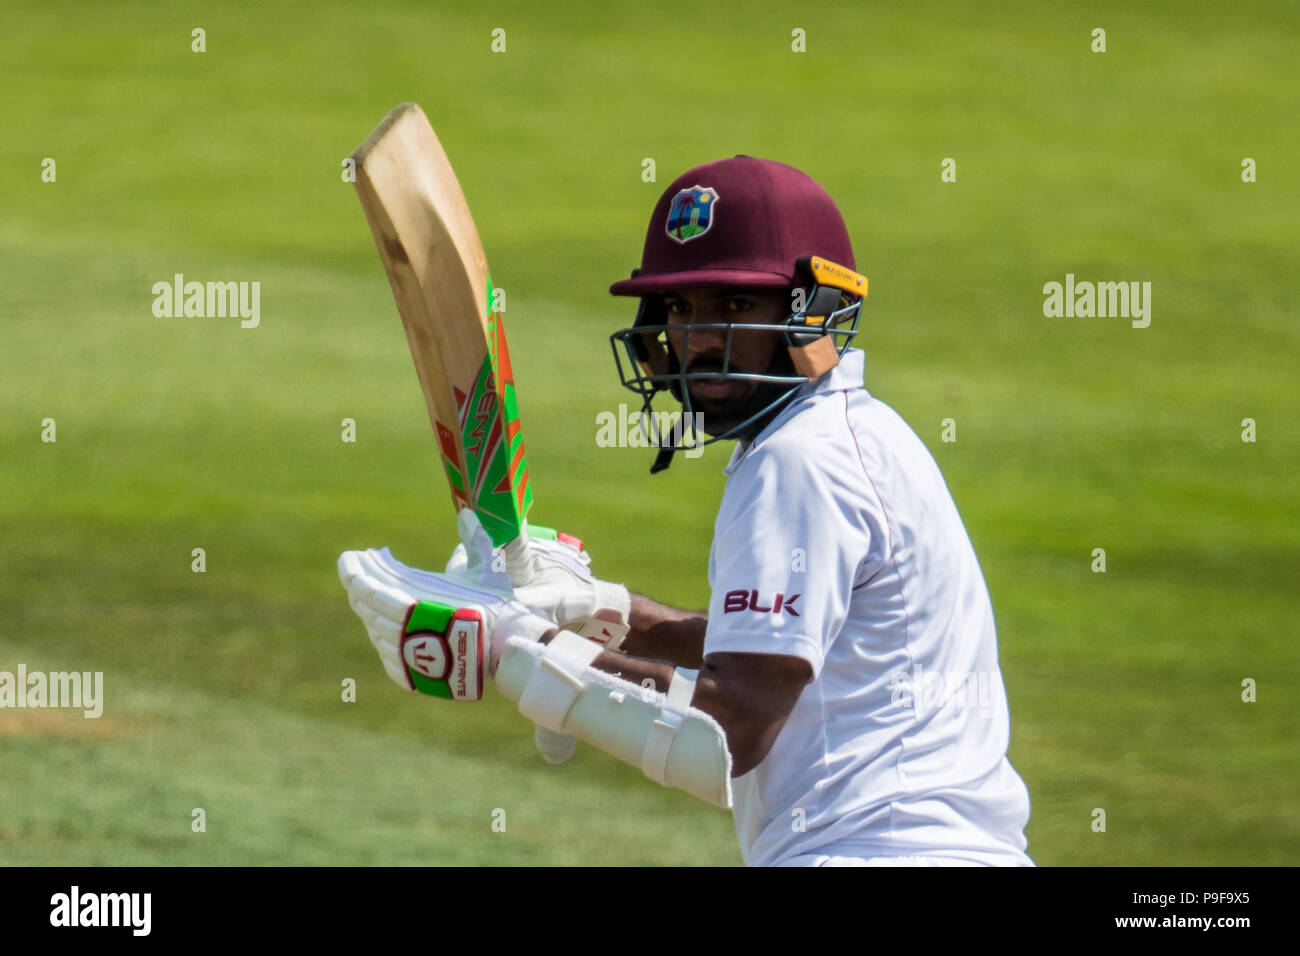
<point>663,459</point>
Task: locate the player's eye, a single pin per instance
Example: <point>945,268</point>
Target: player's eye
<point>677,306</point>
<point>739,304</point>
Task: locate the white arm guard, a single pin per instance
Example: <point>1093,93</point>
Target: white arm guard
<point>673,742</point>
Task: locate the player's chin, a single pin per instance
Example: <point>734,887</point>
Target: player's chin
<point>722,410</point>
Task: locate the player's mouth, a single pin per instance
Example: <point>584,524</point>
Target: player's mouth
<point>706,386</point>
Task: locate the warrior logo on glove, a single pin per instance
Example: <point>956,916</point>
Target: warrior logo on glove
<point>434,635</point>
<point>447,661</point>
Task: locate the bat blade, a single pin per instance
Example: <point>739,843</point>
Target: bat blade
<point>435,264</point>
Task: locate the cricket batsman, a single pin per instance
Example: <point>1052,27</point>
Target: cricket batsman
<point>842,693</point>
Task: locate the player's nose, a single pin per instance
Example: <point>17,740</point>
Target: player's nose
<point>709,330</point>
<point>705,342</point>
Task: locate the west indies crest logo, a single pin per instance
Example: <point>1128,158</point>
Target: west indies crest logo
<point>691,213</point>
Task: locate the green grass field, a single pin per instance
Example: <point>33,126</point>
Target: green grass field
<point>223,689</point>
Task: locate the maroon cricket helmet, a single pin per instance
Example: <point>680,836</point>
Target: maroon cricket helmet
<point>738,222</point>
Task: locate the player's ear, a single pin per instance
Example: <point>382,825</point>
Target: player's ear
<point>650,351</point>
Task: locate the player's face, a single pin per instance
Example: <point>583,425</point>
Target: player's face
<point>725,402</point>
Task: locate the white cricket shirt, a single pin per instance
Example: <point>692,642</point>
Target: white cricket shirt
<point>837,541</point>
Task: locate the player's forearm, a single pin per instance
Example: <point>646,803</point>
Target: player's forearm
<point>723,690</point>
<point>747,742</point>
<point>654,674</point>
<point>665,633</point>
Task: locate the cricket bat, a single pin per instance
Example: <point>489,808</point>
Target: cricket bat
<point>439,275</point>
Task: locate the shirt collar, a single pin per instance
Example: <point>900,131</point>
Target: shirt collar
<point>849,374</point>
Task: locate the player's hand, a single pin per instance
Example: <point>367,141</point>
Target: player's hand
<point>433,634</point>
<point>557,582</point>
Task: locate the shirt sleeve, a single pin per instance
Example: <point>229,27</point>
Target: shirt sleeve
<point>789,542</point>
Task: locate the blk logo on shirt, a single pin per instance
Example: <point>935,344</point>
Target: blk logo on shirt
<point>750,601</point>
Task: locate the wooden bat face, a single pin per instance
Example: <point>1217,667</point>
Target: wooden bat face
<point>438,272</point>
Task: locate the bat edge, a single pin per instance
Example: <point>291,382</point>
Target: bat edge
<point>395,115</point>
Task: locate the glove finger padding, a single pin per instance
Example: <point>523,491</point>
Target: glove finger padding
<point>477,561</point>
<point>433,634</point>
<point>598,611</point>
<point>559,583</point>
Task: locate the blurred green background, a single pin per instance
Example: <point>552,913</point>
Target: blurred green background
<point>223,688</point>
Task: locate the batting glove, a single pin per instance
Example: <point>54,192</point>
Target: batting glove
<point>558,583</point>
<point>434,635</point>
